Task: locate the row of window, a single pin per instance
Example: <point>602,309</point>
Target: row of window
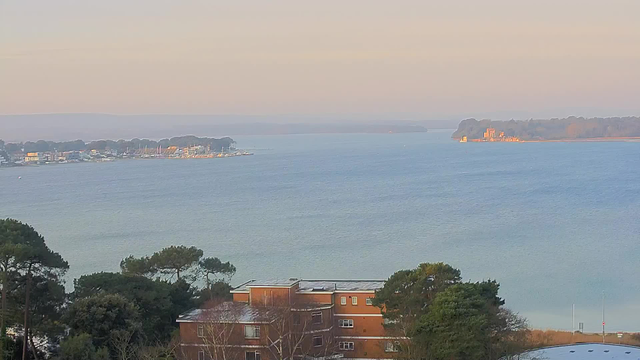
<point>354,301</point>
<point>389,346</point>
<point>253,331</point>
<point>248,355</point>
<point>346,346</point>
<point>250,331</point>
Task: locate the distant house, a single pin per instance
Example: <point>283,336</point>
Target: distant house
<point>33,157</point>
<point>290,318</point>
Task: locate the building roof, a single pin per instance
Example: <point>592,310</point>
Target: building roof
<point>306,286</point>
<point>229,312</point>
<point>585,352</point>
<point>340,285</point>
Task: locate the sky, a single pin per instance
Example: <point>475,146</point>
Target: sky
<point>411,60</point>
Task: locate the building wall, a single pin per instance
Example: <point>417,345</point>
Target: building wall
<point>366,348</point>
<point>362,326</point>
<point>360,308</point>
<point>241,297</point>
<point>261,296</point>
<point>314,298</point>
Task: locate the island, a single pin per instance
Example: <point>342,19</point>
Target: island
<point>49,152</point>
<point>567,129</point>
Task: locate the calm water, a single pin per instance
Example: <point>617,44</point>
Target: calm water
<point>555,223</point>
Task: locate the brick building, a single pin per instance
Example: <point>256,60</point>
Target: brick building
<point>291,318</point>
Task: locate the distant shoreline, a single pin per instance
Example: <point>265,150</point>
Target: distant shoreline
<point>597,139</point>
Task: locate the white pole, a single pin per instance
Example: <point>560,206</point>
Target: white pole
<point>603,317</point>
<point>573,318</point>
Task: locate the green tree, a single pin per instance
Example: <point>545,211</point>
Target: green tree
<point>172,262</point>
<point>216,276</point>
<point>467,322</point>
<point>175,260</point>
<point>457,323</point>
<point>24,252</point>
<point>437,317</point>
<point>137,266</point>
<point>154,299</point>
<point>407,295</point>
<point>102,315</point>
<point>39,260</point>
<point>13,252</point>
<point>48,298</point>
<point>80,347</point>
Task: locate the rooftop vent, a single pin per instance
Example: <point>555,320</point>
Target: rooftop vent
<point>319,288</point>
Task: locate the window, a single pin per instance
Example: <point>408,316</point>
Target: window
<point>316,318</point>
<point>201,355</point>
<point>317,341</point>
<point>369,301</point>
<point>390,346</point>
<point>354,300</point>
<point>345,323</point>
<point>200,330</point>
<point>252,332</point>
<point>296,319</point>
<point>346,346</point>
<point>343,300</point>
<point>252,355</point>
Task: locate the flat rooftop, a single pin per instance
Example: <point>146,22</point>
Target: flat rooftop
<point>585,352</point>
<point>228,312</point>
<point>315,285</point>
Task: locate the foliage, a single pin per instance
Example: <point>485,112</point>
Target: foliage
<point>554,129</point>
<point>175,260</point>
<point>102,315</point>
<point>172,261</point>
<point>407,294</point>
<point>218,290</point>
<point>216,276</point>
<point>442,318</point>
<point>46,306</point>
<point>158,301</point>
<point>80,347</point>
<point>137,266</point>
<point>458,323</point>
<point>23,255</point>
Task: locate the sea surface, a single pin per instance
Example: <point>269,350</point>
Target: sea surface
<point>555,223</point>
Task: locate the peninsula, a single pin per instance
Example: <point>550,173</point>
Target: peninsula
<point>568,129</point>
<point>49,152</point>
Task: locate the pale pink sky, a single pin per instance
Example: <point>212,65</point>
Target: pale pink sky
<point>431,58</point>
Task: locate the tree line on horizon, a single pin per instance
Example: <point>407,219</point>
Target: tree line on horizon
<point>131,314</point>
<point>553,129</point>
<point>122,146</point>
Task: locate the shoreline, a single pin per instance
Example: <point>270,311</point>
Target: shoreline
<point>599,139</point>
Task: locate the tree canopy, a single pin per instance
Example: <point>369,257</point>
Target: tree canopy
<point>442,318</point>
<point>172,261</point>
<point>103,315</point>
<point>159,302</point>
<point>553,129</point>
